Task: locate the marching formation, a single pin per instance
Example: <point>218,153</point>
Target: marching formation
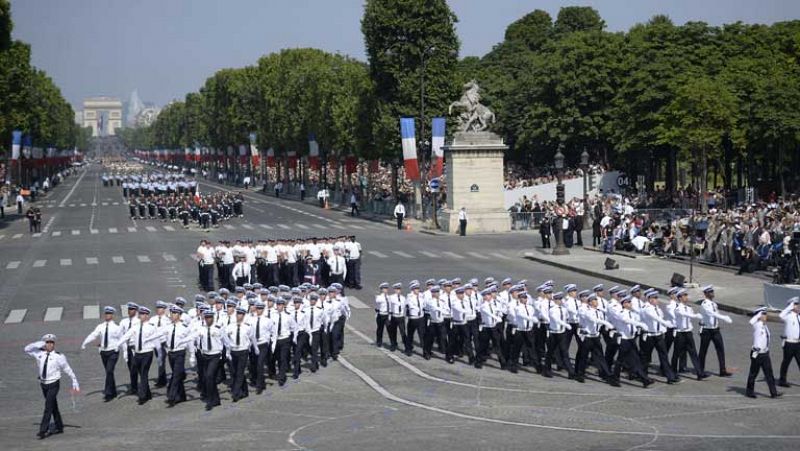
<point>617,333</point>
<point>251,334</point>
<point>174,197</point>
<point>315,261</point>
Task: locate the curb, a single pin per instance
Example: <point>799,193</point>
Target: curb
<point>529,256</point>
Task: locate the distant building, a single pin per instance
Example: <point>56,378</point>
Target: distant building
<point>103,115</point>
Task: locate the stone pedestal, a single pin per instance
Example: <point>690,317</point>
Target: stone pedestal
<point>475,182</point>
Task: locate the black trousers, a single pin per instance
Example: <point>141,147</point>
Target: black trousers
<point>558,350</point>
<point>659,344</point>
<point>462,227</point>
<point>314,348</point>
<point>522,344</point>
<point>238,380</point>
<point>435,331</point>
<point>707,336</point>
<point>162,366</point>
<point>396,324</point>
<point>540,342</point>
<point>491,336</point>
<point>380,322</point>
<point>761,362</point>
<point>414,325</point>
<point>612,347</point>
<point>175,389</point>
<point>132,372</point>
<point>50,393</point>
<point>790,351</point>
<point>398,216</point>
<point>462,334</point>
<point>210,379</point>
<point>264,356</point>
<point>591,347</point>
<point>282,349</point>
<point>628,356</point>
<point>201,374</point>
<point>142,364</point>
<point>338,335</point>
<point>299,349</point>
<point>684,344</point>
<point>109,359</point>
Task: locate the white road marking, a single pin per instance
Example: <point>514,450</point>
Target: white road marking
<point>66,262</point>
<point>57,233</point>
<point>13,265</point>
<point>118,259</point>
<point>36,235</point>
<point>378,254</point>
<point>429,254</point>
<point>284,226</point>
<point>265,226</point>
<point>338,226</point>
<point>319,226</point>
<point>105,204</point>
<point>499,255</point>
<point>228,226</point>
<point>453,255</point>
<point>39,263</point>
<point>356,302</point>
<point>247,226</point>
<point>169,257</point>
<point>76,232</point>
<point>83,205</point>
<point>169,228</point>
<point>91,311</point>
<point>150,228</point>
<point>94,231</point>
<point>77,182</point>
<point>16,316</point>
<point>478,255</point>
<point>115,203</point>
<point>403,254</point>
<point>92,261</point>
<point>112,230</point>
<point>16,236</point>
<point>131,229</point>
<point>71,205</point>
<point>2,236</point>
<point>53,313</point>
<point>143,258</point>
<point>357,227</point>
<point>301,226</point>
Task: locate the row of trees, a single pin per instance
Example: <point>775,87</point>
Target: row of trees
<point>643,100</point>
<point>29,100</point>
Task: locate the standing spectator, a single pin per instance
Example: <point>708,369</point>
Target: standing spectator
<point>37,220</point>
<point>462,222</point>
<point>400,214</point>
<point>302,191</point>
<point>3,201</point>
<point>354,204</point>
<point>544,231</point>
<point>20,202</point>
<point>31,215</point>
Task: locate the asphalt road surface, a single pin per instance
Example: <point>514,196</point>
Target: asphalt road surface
<point>91,254</point>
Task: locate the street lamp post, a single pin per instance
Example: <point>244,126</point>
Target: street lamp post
<point>585,170</point>
<point>560,249</point>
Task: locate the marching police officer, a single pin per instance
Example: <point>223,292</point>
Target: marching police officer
<point>109,334</point>
<point>50,364</point>
<point>759,355</point>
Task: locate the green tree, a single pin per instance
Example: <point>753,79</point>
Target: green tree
<point>409,43</point>
<point>578,18</point>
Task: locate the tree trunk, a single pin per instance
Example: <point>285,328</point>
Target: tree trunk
<point>704,182</point>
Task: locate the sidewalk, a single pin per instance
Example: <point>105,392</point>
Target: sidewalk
<point>736,294</point>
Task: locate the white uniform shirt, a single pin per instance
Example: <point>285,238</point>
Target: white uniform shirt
<point>525,317</point>
<point>711,316</point>
<point>590,320</point>
<point>285,327</point>
<point>626,323</point>
<point>791,324</point>
<point>150,337</point>
<point>177,336</point>
<point>416,304</point>
<point>684,315</point>
<point>382,303</point>
<point>558,319</point>
<point>107,332</point>
<point>241,336</point>
<point>206,255</point>
<point>653,318</point>
<point>397,305</point>
<point>56,363</point>
<point>127,324</point>
<point>761,335</point>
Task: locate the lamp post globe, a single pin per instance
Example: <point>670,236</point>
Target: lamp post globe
<point>558,231</point>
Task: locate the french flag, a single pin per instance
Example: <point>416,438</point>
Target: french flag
<point>409,148</point>
<point>16,144</point>
<point>313,152</point>
<point>437,146</point>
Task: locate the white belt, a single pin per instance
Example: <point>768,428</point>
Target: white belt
<point>787,340</point>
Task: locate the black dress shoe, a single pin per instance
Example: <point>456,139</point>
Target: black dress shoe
<point>614,383</point>
<point>209,407</point>
<point>61,431</point>
<point>547,374</point>
<point>776,395</point>
<point>725,374</point>
<point>513,370</point>
<point>580,379</point>
<point>750,395</point>
<point>647,382</point>
<point>41,435</point>
<point>783,384</point>
<point>130,391</point>
<point>259,391</point>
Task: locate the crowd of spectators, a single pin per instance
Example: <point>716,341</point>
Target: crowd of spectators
<point>520,176</point>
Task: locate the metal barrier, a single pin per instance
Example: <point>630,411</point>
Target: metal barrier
<point>664,214</point>
<point>526,220</point>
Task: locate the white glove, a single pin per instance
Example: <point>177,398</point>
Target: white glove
<point>192,361</point>
<point>728,320</point>
<point>83,347</point>
<point>75,386</point>
<point>568,327</point>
